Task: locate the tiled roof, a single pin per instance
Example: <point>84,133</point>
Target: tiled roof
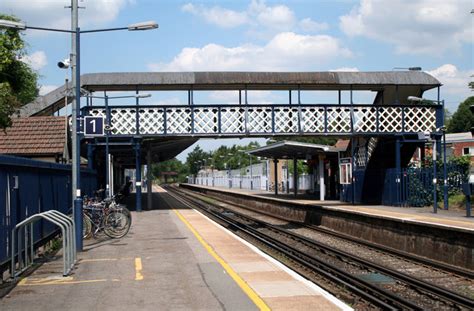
<point>342,144</point>
<point>34,136</point>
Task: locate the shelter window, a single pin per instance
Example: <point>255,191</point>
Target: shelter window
<point>345,171</point>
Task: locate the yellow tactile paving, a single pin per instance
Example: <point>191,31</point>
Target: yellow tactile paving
<point>277,288</point>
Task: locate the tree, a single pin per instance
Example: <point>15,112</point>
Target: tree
<point>173,165</point>
<point>18,82</point>
<point>462,120</point>
<point>196,159</point>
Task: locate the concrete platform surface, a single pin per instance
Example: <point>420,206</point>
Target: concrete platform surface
<point>172,259</point>
<point>449,218</point>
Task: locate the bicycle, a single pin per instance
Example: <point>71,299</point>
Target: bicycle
<point>107,215</point>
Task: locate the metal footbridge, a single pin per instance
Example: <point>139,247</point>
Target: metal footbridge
<point>160,132</point>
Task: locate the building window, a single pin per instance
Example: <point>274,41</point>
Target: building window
<point>468,151</point>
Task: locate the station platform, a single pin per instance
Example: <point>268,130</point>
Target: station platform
<point>173,258</point>
<point>454,219</point>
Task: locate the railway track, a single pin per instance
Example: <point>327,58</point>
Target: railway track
<point>358,281</point>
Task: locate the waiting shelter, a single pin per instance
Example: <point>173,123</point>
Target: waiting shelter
<point>322,159</point>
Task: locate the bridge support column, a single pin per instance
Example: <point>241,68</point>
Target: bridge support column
<point>275,174</point>
<point>149,182</point>
<point>90,156</point>
<point>322,188</point>
<point>138,177</point>
<point>436,142</point>
<point>295,176</point>
<point>398,175</point>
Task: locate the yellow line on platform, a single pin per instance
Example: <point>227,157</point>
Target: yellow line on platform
<point>48,281</point>
<point>138,269</point>
<point>240,282</point>
<point>105,259</point>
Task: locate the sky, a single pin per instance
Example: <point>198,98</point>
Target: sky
<point>256,35</point>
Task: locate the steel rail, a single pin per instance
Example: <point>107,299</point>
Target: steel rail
<point>445,294</point>
<point>367,291</point>
<point>425,261</point>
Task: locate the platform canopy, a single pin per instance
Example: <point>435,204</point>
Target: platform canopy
<point>291,149</point>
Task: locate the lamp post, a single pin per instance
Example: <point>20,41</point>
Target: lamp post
<point>435,135</point>
<point>212,169</point>
<point>76,102</point>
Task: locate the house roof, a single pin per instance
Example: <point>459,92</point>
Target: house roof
<point>342,144</point>
<point>459,137</point>
<point>34,136</point>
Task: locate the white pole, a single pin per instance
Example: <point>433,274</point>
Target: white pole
<point>321,178</point>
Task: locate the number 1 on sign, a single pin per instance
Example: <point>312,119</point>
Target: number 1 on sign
<point>93,125</point>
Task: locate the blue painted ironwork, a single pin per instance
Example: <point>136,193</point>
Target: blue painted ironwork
<point>269,120</point>
<point>398,176</point>
<point>138,177</point>
<point>28,187</point>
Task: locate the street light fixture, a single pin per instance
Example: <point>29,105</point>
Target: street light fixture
<point>407,68</point>
<point>12,24</point>
<point>76,105</point>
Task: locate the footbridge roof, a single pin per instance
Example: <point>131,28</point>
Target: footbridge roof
<point>408,82</point>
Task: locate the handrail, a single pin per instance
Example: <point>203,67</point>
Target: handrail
<point>282,105</point>
<point>25,253</point>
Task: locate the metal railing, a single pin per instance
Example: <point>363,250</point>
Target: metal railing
<point>23,247</point>
<point>265,120</point>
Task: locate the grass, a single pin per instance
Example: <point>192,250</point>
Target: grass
<point>457,201</point>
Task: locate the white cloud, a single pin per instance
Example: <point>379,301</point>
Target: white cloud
<point>426,26</point>
<point>36,60</point>
<point>45,89</point>
<point>308,25</point>
<point>277,17</point>
<point>345,69</point>
<point>218,16</point>
<point>285,51</point>
<point>51,13</point>
<point>455,81</point>
<point>262,18</point>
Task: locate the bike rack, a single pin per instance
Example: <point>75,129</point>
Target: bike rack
<point>23,249</point>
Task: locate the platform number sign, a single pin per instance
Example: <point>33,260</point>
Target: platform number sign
<point>94,126</point>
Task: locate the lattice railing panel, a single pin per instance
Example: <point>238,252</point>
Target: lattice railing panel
<point>339,120</point>
<point>178,120</point>
<point>260,120</point>
<point>286,120</point>
<point>312,120</point>
<point>206,120</point>
<point>419,119</point>
<point>365,119</point>
<point>152,120</point>
<point>276,119</point>
<point>390,119</point>
<point>232,120</point>
<point>123,121</point>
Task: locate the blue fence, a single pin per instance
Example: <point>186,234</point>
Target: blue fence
<point>409,187</point>
<point>28,187</point>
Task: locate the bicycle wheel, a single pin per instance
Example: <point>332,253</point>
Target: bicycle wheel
<point>86,227</point>
<point>117,224</point>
